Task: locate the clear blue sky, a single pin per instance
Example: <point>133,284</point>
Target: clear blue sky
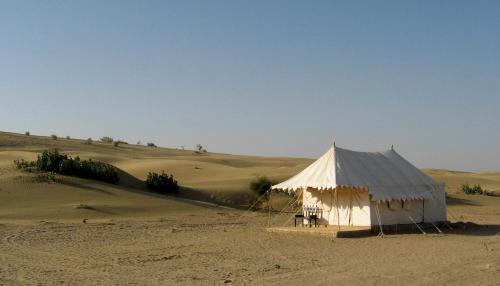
<point>280,78</point>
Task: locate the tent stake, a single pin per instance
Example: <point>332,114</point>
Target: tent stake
<point>423,232</point>
<point>437,228</point>
<point>381,233</point>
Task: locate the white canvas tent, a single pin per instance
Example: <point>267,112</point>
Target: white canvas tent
<point>368,189</point>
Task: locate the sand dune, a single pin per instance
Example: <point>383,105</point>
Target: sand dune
<point>134,237</point>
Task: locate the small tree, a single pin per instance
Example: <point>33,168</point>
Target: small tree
<point>151,144</point>
<point>106,139</point>
<point>53,136</point>
<point>88,141</point>
<point>260,185</point>
<point>27,133</point>
<point>199,148</point>
<point>67,137</point>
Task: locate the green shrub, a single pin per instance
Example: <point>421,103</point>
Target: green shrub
<point>53,136</point>
<point>94,170</point>
<point>49,160</point>
<point>476,189</point>
<point>53,161</point>
<point>162,183</point>
<point>151,144</point>
<point>89,169</point>
<point>106,139</point>
<point>24,165</point>
<point>27,133</point>
<point>260,185</point>
<point>51,176</point>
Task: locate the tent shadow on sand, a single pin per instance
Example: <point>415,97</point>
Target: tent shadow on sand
<point>459,201</point>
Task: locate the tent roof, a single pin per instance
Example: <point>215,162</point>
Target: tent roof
<point>386,175</point>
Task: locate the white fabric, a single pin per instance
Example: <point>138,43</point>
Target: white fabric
<point>385,175</point>
<point>353,206</point>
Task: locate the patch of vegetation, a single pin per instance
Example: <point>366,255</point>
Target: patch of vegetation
<point>27,133</point>
<point>260,185</point>
<point>88,141</point>
<point>162,183</point>
<point>51,176</point>
<point>25,165</point>
<point>151,144</point>
<point>476,189</point>
<point>54,162</point>
<point>67,137</point>
<point>106,139</point>
<point>53,136</point>
<point>200,149</point>
<point>84,207</point>
<point>117,143</point>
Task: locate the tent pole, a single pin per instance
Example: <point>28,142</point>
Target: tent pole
<point>350,208</point>
<point>423,210</point>
<point>269,206</point>
<point>337,207</point>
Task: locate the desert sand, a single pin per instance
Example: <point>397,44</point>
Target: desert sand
<point>204,236</point>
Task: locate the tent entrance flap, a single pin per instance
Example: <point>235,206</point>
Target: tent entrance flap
<point>341,206</point>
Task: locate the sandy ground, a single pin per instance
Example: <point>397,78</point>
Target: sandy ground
<point>216,249</point>
<point>132,237</point>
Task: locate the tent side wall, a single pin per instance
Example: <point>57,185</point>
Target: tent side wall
<point>435,209</point>
<point>397,212</point>
<point>353,206</point>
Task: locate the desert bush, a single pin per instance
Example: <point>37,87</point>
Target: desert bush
<point>55,162</point>
<point>67,137</point>
<point>51,176</point>
<point>89,169</point>
<point>24,165</point>
<point>139,142</point>
<point>27,133</point>
<point>88,141</point>
<point>162,183</point>
<point>53,136</point>
<point>50,160</point>
<point>476,189</point>
<point>260,185</point>
<point>106,139</point>
<point>151,144</point>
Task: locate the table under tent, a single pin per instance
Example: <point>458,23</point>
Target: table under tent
<point>373,189</point>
